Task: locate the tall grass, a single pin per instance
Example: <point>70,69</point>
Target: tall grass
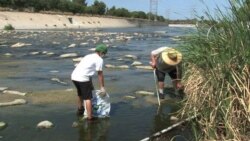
<point>217,76</point>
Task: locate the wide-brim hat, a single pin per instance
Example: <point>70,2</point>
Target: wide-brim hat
<point>171,56</point>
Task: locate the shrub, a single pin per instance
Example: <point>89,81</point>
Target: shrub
<point>8,27</point>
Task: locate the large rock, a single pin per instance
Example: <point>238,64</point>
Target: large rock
<point>12,103</point>
<point>45,124</point>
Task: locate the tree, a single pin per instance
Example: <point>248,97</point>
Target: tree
<point>99,8</point>
<point>80,2</point>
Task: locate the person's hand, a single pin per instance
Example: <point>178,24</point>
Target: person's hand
<point>102,92</point>
<point>153,65</point>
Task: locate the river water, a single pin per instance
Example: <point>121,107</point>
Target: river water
<point>31,68</point>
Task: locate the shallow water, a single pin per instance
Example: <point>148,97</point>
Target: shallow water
<point>130,119</point>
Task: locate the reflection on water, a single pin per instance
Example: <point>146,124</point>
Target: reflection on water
<point>93,131</point>
<point>31,69</point>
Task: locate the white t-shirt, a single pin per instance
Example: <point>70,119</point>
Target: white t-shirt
<point>87,67</point>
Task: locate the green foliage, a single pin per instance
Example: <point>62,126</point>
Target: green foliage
<point>217,74</point>
<point>99,8</point>
<point>8,27</point>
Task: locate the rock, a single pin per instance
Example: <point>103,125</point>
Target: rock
<point>8,54</point>
<point>45,124</point>
<point>129,97</point>
<point>131,56</point>
<point>3,88</point>
<point>136,63</point>
<point>68,55</point>
<point>144,93</point>
<point>117,67</point>
<point>72,45</point>
<point>75,124</point>
<point>84,44</point>
<point>77,59</point>
<point>92,49</point>
<point>2,125</point>
<point>34,53</point>
<point>144,67</point>
<point>58,80</point>
<point>15,102</point>
<point>20,45</point>
<point>173,118</point>
<point>14,92</point>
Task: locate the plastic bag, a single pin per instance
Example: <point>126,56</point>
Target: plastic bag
<point>100,104</point>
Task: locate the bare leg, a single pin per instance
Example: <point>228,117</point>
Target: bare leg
<point>89,108</point>
<point>161,85</point>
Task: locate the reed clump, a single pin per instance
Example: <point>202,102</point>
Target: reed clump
<point>217,76</point>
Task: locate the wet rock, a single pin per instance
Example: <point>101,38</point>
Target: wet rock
<point>14,92</point>
<point>3,88</point>
<point>19,44</point>
<point>92,49</point>
<point>144,93</point>
<point>173,118</point>
<point>72,45</point>
<point>129,97</point>
<point>34,53</point>
<point>45,124</point>
<point>144,67</point>
<point>84,44</point>
<point>68,55</point>
<point>117,67</point>
<point>56,43</point>
<point>8,54</point>
<point>58,80</point>
<point>2,125</point>
<point>75,124</point>
<point>131,56</point>
<point>77,59</point>
<point>136,63</point>
<point>12,103</point>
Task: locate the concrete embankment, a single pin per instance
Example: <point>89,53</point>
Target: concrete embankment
<point>24,20</point>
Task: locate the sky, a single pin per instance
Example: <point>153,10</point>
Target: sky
<point>170,9</point>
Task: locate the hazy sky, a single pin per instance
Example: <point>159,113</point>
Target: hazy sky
<point>172,9</point>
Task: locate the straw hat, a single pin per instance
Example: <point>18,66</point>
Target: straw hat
<point>171,56</point>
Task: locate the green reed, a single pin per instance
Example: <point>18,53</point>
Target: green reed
<point>217,75</point>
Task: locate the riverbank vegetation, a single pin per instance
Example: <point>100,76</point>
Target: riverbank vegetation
<point>76,7</point>
<point>217,77</point>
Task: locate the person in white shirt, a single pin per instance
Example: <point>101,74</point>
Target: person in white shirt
<point>167,60</point>
<point>81,77</point>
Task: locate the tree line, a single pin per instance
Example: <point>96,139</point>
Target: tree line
<point>76,7</point>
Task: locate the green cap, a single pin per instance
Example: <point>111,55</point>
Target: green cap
<point>101,48</point>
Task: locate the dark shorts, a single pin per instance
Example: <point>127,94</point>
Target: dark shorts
<point>161,75</point>
<point>84,89</point>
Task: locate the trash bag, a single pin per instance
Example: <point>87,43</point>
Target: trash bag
<point>100,104</point>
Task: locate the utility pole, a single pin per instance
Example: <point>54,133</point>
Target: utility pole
<point>153,9</point>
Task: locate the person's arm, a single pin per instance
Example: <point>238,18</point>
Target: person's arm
<point>101,79</point>
<point>153,60</point>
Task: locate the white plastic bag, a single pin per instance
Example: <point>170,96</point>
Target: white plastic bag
<point>100,104</point>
